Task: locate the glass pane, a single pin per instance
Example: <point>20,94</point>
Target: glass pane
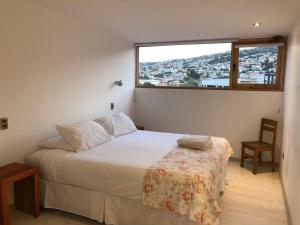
<point>195,65</point>
<point>257,65</point>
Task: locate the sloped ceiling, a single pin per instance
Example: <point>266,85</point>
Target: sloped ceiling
<point>166,20</point>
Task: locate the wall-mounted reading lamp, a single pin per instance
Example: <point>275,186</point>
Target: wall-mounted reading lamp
<point>118,82</point>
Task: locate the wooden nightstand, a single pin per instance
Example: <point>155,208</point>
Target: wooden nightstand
<point>140,127</point>
<point>26,189</point>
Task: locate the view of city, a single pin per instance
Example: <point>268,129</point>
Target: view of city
<point>257,65</point>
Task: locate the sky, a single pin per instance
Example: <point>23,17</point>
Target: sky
<point>161,53</point>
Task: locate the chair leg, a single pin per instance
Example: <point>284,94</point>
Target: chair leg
<point>255,162</point>
<point>273,161</point>
<point>260,158</point>
<point>242,155</point>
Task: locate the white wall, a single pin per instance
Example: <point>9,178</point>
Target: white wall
<point>55,69</point>
<point>234,115</point>
<point>290,168</point>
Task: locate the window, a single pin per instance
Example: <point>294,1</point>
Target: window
<point>190,65</point>
<point>259,64</point>
<point>244,64</point>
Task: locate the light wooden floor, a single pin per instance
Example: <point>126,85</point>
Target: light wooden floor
<point>248,200</point>
<point>252,199</point>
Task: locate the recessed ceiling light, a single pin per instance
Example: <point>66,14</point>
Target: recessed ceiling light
<point>257,24</point>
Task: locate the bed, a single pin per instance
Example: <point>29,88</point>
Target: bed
<point>106,183</point>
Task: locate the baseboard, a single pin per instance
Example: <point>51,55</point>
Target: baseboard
<point>234,159</point>
<point>287,209</point>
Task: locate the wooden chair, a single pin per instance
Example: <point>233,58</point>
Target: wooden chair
<point>260,146</point>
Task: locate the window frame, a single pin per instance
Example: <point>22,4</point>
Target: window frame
<point>234,65</point>
<point>280,69</point>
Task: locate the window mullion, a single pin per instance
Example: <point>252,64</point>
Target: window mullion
<point>137,73</point>
<point>279,75</point>
<point>234,66</point>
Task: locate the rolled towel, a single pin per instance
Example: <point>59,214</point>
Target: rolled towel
<point>195,142</point>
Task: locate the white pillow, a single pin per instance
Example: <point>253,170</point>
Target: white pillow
<point>56,143</point>
<point>106,123</point>
<point>84,135</point>
<point>118,124</point>
<point>122,124</point>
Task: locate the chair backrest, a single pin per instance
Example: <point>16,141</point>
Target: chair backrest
<point>268,125</point>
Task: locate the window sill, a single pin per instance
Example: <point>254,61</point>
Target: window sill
<point>226,89</point>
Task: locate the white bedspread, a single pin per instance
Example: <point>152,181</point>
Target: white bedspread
<point>116,167</point>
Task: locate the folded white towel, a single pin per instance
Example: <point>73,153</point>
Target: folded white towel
<point>195,142</point>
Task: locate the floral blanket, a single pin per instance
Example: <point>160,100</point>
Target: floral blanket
<point>189,182</point>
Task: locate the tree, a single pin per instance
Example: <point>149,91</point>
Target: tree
<point>267,64</point>
<point>160,75</point>
<point>144,77</point>
<point>192,74</point>
<point>148,84</point>
<point>191,83</point>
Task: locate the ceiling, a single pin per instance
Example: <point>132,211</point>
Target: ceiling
<point>169,20</point>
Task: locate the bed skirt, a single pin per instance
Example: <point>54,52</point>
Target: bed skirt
<point>104,207</point>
